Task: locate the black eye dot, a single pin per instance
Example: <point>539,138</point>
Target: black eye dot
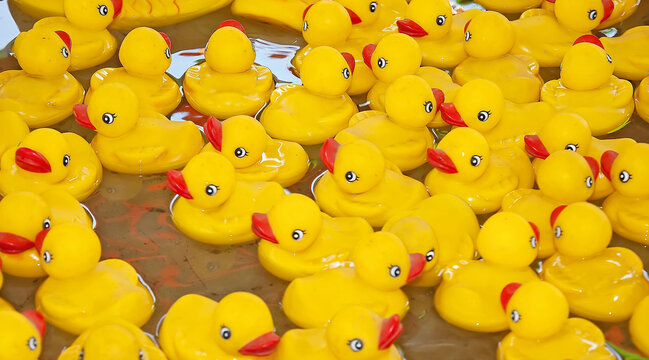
<point>351,176</point>
<point>373,6</point>
<point>168,53</point>
<point>103,10</point>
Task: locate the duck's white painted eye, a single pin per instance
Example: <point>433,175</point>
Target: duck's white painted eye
<point>484,115</point>
<point>298,235</point>
<point>47,257</point>
<point>82,354</point>
<point>430,255</point>
<point>516,317</point>
<point>572,147</point>
<point>356,345</point>
<point>467,36</point>
<point>381,62</point>
<point>140,355</point>
<point>225,332</point>
<point>211,190</point>
<point>168,53</point>
<point>66,160</point>
<point>351,176</point>
<point>592,14</point>
<point>428,106</point>
<point>395,271</point>
<point>609,58</point>
<point>47,223</point>
<point>32,343</point>
<point>624,176</point>
<point>557,232</point>
<point>441,20</point>
<point>373,6</point>
<point>305,26</point>
<point>589,182</point>
<point>108,118</point>
<point>103,10</point>
<point>346,73</point>
<point>533,242</point>
<point>240,152</point>
<point>476,160</point>
<point>65,52</point>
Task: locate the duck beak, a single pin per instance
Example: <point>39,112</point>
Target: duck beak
<point>550,1</point>
<point>350,60</point>
<point>37,319</point>
<point>176,182</point>
<point>328,153</point>
<point>167,39</point>
<point>117,5</point>
<point>411,28</point>
<point>441,161</point>
<point>608,9</point>
<point>81,115</point>
<point>534,147</point>
<point>14,244</point>
<point>38,243</point>
<point>261,346</point>
<point>368,50</point>
<point>594,166</point>
<point>555,214</point>
<point>261,227</point>
<point>439,97</point>
<point>450,115</point>
<point>589,38</point>
<point>466,26</point>
<point>608,157</point>
<point>417,263</point>
<point>66,38</point>
<point>391,328</point>
<point>232,23</point>
<point>507,293</point>
<point>32,161</point>
<point>355,18</point>
<point>535,229</point>
<point>214,132</point>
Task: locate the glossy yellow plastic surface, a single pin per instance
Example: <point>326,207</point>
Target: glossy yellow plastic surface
<point>642,99</point>
<point>82,292</point>
<point>374,18</point>
<point>286,13</point>
<point>509,7</point>
<point>14,129</point>
<point>638,326</point>
<point>619,11</point>
<point>628,53</point>
<point>19,337</point>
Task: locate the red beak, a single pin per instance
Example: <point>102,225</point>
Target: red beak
<point>214,132</point>
<point>439,159</point>
<point>350,60</point>
<point>176,182</point>
<point>589,39</point>
<point>608,9</point>
<point>261,227</point>
<point>411,28</point>
<point>306,11</point>
<point>507,293</point>
<point>550,1</point>
<point>37,319</point>
<point>594,166</point>
<point>535,229</point>
<point>466,26</point>
<point>439,97</point>
<point>417,263</point>
<point>555,214</point>
<point>608,157</point>
<point>38,243</point>
<point>14,244</point>
<point>233,23</point>
<point>451,115</point>
<point>355,18</point>
<point>368,50</point>
<point>32,161</point>
<point>328,153</point>
<point>261,346</point>
<point>66,39</point>
<point>81,115</point>
<point>167,40</point>
<point>117,5</point>
<point>534,147</point>
<point>390,331</point>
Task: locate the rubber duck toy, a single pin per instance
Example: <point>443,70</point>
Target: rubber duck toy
<point>601,283</point>
<point>213,206</point>
<point>24,218</point>
<point>510,7</point>
<point>360,182</point>
<point>301,240</point>
<point>468,296</point>
<point>117,339</point>
<point>285,13</point>
<point>255,155</point>
<point>619,10</point>
<point>14,130</point>
<point>454,226</point>
<point>353,332</point>
<point>626,50</point>
<point>47,159</point>
<point>374,19</point>
<point>21,334</point>
<point>627,207</point>
<point>43,92</point>
<point>81,291</point>
<point>488,38</point>
<point>587,87</point>
<point>239,327</point>
<point>638,325</point>
<point>565,177</point>
<point>310,113</point>
<point>381,267</point>
<point>400,133</point>
<point>439,33</point>
<point>465,166</point>
<point>132,141</point>
<point>642,99</point>
<point>228,83</point>
<point>145,55</point>
<point>480,105</point>
<point>540,327</point>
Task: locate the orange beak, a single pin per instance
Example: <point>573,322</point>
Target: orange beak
<point>534,147</point>
<point>32,161</point>
<point>214,132</point>
<point>264,345</point>
<point>507,293</point>
<point>37,319</point>
<point>176,182</point>
<point>441,161</point>
<point>355,18</point>
<point>117,5</point>
<point>450,115</point>
<point>14,244</point>
<point>555,214</point>
<point>390,331</point>
<point>608,157</point>
<point>328,153</point>
<point>261,227</point>
<point>368,50</point>
<point>411,28</point>
<point>81,115</point>
<point>417,263</point>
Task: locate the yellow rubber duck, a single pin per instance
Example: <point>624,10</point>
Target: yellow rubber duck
<point>228,83</point>
<point>400,133</point>
<point>43,92</point>
<point>354,332</point>
<point>115,339</point>
<point>628,206</point>
<point>642,99</point>
<point>480,105</point>
<point>587,87</point>
<point>47,159</point>
<point>255,155</point>
<point>374,19</point>
<point>239,327</point>
<point>510,7</point>
<point>488,38</point>
<point>601,283</point>
<point>145,55</point>
<point>14,130</point>
<point>360,182</point>
<point>540,327</point>
<point>637,326</point>
<point>213,206</point>
<point>301,240</point>
<point>81,291</point>
<point>132,141</point>
<point>381,267</point>
<point>21,334</point>
<point>618,10</point>
<point>465,166</point>
<point>285,13</point>
<point>469,295</point>
<point>565,177</point>
<point>310,113</point>
<point>454,225</point>
<point>627,52</point>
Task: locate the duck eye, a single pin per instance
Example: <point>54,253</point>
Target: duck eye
<point>484,115</point>
<point>476,160</point>
<point>428,106</point>
<point>624,176</point>
<point>441,20</point>
<point>82,354</point>
<point>572,147</point>
<point>381,62</point>
<point>168,53</point>
<point>533,242</point>
<point>395,271</point>
<point>516,317</point>
<point>298,235</point>
<point>103,10</point>
<point>609,58</point>
<point>66,160</point>
<point>592,14</point>
<point>211,190</point>
<point>467,36</point>
<point>346,73</point>
<point>351,176</point>
<point>373,6</point>
<point>225,332</point>
<point>430,255</point>
<point>141,355</point>
<point>356,345</point>
<point>589,182</point>
<point>108,118</point>
<point>47,257</point>
<point>32,343</point>
<point>305,27</point>
<point>240,152</point>
<point>65,52</point>
<point>47,223</point>
<point>557,232</point>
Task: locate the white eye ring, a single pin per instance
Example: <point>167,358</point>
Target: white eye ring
<point>592,14</point>
<point>589,182</point>
<point>47,257</point>
<point>351,176</point>
<point>430,255</point>
<point>346,73</point>
<point>32,343</point>
<point>624,176</point>
<point>103,10</point>
<point>373,6</point>
<point>516,317</point>
<point>441,20</point>
<point>47,223</point>
<point>557,232</point>
<point>381,62</point>
<point>240,152</point>
<point>533,242</point>
<point>609,58</point>
<point>108,118</point>
<point>572,147</point>
<point>211,190</point>
<point>395,271</point>
<point>476,160</point>
<point>140,355</point>
<point>66,159</point>
<point>65,52</point>
<point>356,345</point>
<point>305,27</point>
<point>428,106</point>
<point>168,53</point>
<point>484,115</point>
<point>297,235</point>
<point>467,36</point>
<point>225,332</point>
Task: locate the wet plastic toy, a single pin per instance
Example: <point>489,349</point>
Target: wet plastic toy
<point>637,326</point>
<point>374,19</point>
<point>301,240</point>
<point>14,129</point>
<point>618,10</point>
<point>627,51</point>
<point>239,327</point>
<point>134,141</point>
<point>360,182</point>
<point>21,334</point>
<point>214,207</point>
<point>286,13</point>
<point>509,7</point>
<point>43,92</point>
<point>642,99</point>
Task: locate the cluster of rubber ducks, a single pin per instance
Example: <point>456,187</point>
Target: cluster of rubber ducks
<point>370,229</point>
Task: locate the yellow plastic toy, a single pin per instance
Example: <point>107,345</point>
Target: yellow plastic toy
<point>239,327</point>
<point>480,105</point>
<point>587,87</point>
<point>310,113</point>
<point>541,330</point>
<point>145,55</point>
<point>21,334</point>
<point>132,141</point>
<point>600,283</point>
<point>353,332</point>
<point>469,295</point>
<point>465,166</point>
<point>360,182</point>
<point>638,326</point>
<point>488,38</point>
<point>509,7</point>
<point>116,338</point>
<point>400,133</point>
<point>628,206</point>
<point>627,51</point>
<point>43,92</point>
<point>285,13</point>
<point>81,291</point>
<point>565,177</point>
<point>374,19</point>
<point>618,10</point>
<point>14,130</point>
<point>213,206</point>
<point>642,99</point>
<point>47,159</point>
<point>228,83</point>
<point>301,240</point>
<point>254,154</point>
<point>381,267</point>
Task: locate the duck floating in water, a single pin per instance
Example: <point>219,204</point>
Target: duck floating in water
<point>642,99</point>
<point>617,10</point>
<point>628,53</point>
<point>637,326</point>
<point>21,334</point>
<point>285,13</point>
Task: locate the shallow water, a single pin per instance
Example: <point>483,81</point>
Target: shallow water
<point>134,224</point>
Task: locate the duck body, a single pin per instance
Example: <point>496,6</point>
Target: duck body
<point>628,216</point>
<point>377,18</point>
<point>513,7</point>
<point>641,97</point>
<point>626,50</point>
<point>518,120</point>
<point>22,334</point>
<point>637,324</point>
<point>286,13</point>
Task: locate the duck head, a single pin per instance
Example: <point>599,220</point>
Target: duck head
<point>45,155</point>
<point>564,131</point>
<point>394,56</point>
<point>419,238</point>
<point>355,167</point>
<point>325,71</point>
<point>241,139</point>
<point>582,15</point>
<point>580,229</point>
<point>488,35</point>
<point>362,12</point>
<point>567,177</point>
<point>113,110</point>
<point>463,152</point>
<point>432,19</point>
<point>326,23</point>
<point>586,65</point>
<point>65,259</point>
<point>507,239</point>
<point>21,334</point>
<point>145,51</point>
<point>479,104</point>
<point>93,15</point>
<point>24,218</point>
<point>229,50</point>
<point>42,52</point>
<point>629,170</point>
<point>409,101</point>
